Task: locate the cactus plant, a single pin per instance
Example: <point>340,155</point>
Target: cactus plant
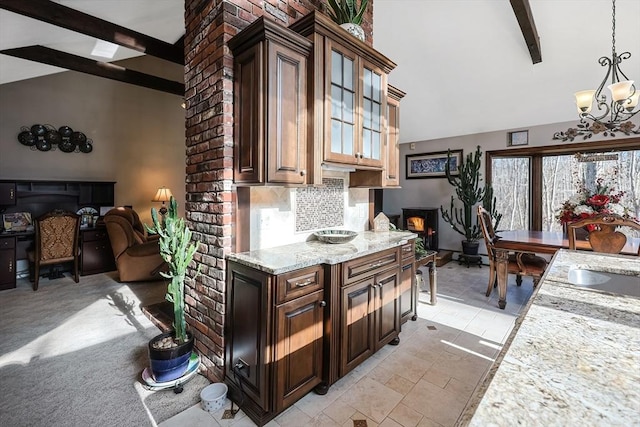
<point>469,192</point>
<point>177,250</point>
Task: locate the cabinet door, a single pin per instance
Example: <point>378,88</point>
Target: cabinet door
<point>357,324</point>
<point>287,132</point>
<point>298,353</point>
<point>392,149</point>
<point>96,255</point>
<point>249,113</point>
<point>408,291</point>
<point>7,193</point>
<point>342,122</point>
<point>373,107</point>
<point>7,263</point>
<point>387,309</point>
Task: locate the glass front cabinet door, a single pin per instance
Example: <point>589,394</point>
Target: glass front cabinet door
<point>357,92</point>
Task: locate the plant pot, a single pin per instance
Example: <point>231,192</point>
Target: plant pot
<point>170,363</point>
<point>354,29</point>
<point>470,247</point>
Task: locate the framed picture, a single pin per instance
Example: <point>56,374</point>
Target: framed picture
<point>520,137</point>
<point>431,165</point>
<point>18,221</point>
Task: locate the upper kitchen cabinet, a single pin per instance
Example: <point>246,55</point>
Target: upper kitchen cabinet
<point>390,176</point>
<point>348,89</point>
<point>270,105</point>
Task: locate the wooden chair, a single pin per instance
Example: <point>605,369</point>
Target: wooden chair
<point>604,237</point>
<point>56,241</point>
<point>520,263</point>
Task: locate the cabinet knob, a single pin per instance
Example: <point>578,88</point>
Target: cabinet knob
<point>357,154</point>
<point>322,303</point>
<point>303,172</point>
<point>361,155</point>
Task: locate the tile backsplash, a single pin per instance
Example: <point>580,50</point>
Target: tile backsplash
<point>320,207</point>
<point>281,215</point>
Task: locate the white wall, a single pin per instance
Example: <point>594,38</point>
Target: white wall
<point>435,192</point>
<point>273,213</point>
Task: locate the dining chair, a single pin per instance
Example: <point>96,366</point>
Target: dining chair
<point>56,242</point>
<point>604,235</point>
<point>520,263</point>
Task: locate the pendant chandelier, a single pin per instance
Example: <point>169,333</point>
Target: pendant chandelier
<point>610,116</point>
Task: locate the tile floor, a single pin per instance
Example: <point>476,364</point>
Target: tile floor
<point>424,381</point>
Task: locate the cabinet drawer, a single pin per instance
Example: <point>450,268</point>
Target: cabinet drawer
<point>298,283</point>
<point>407,250</point>
<point>360,268</point>
<point>93,235</point>
<point>7,243</point>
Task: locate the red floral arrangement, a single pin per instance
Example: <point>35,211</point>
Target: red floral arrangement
<point>585,204</point>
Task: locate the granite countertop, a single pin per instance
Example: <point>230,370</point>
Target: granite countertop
<point>573,358</point>
<point>291,257</point>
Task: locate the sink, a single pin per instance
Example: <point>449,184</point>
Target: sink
<point>605,281</point>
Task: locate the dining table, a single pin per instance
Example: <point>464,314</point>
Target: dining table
<point>539,242</point>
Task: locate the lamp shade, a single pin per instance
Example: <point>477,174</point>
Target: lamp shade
<point>620,91</point>
<point>162,195</point>
<point>584,100</point>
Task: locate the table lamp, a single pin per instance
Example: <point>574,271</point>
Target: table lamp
<point>162,195</point>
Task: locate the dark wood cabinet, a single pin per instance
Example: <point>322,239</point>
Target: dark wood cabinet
<point>7,193</point>
<point>7,262</point>
<point>298,348</point>
<point>270,86</point>
<point>287,334</point>
<point>274,337</point>
<point>370,318</point>
<point>96,254</point>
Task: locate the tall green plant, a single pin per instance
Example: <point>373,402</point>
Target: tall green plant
<point>467,185</point>
<point>346,11</point>
<point>489,204</point>
<point>177,250</point>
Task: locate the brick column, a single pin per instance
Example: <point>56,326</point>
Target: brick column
<point>209,144</point>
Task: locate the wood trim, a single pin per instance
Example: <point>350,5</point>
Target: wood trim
<point>107,70</point>
<point>80,22</point>
<point>522,10</point>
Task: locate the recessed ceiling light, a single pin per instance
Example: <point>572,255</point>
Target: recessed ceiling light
<point>104,49</point>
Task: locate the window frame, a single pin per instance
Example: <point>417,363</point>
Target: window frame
<point>536,155</point>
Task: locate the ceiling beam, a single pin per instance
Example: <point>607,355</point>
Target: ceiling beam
<point>522,9</point>
<point>80,22</point>
<point>107,70</point>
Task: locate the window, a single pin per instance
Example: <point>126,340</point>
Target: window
<point>510,183</point>
<point>531,183</point>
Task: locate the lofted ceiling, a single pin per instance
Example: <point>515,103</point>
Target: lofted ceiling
<point>464,64</point>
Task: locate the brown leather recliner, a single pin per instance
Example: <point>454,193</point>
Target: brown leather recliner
<point>137,254</point>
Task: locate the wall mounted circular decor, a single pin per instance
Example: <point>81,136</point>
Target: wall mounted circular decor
<point>46,138</point>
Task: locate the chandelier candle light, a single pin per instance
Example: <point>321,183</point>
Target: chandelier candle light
<point>613,116</point>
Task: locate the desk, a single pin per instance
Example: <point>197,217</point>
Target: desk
<point>541,242</point>
<point>96,255</point>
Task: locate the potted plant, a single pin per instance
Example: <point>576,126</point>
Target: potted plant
<point>348,15</point>
<point>169,352</point>
<point>469,192</point>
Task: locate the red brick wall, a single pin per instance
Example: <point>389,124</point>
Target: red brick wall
<point>209,143</point>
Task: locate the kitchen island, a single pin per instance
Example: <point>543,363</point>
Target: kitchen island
<point>301,316</point>
<point>573,357</point>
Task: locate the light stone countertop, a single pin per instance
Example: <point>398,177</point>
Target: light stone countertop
<point>573,357</point>
<point>291,257</point>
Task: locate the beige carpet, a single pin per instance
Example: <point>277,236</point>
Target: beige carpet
<point>71,354</point>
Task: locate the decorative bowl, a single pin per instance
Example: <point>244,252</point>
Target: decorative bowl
<point>335,236</point>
